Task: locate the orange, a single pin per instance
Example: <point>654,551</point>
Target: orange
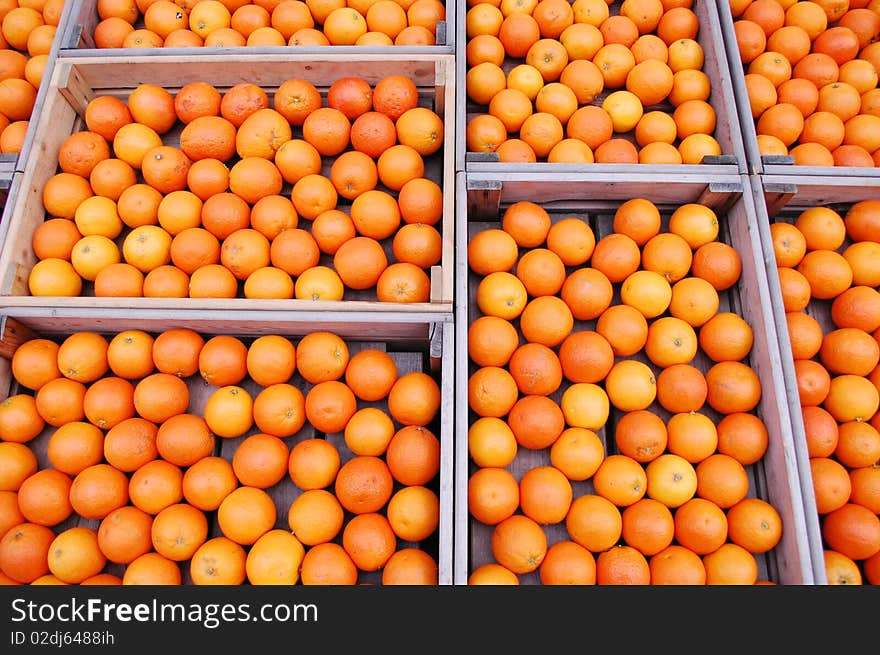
<point>545,494</point>
<point>567,562</point>
<point>156,485</point>
<point>328,563</point>
<point>640,435</point>
<point>647,526</point>
<point>541,271</point>
<point>730,564</point>
<point>587,292</point>
<point>20,419</point>
<point>152,569</point>
<point>671,341</point>
<point>536,421</point>
<point>491,442</point>
<point>732,387</point>
<point>630,385</point>
<point>722,479</point>
<point>492,573</point>
<point>622,565</point>
<point>124,534</point>
<point>260,460</point>
<point>313,463</point>
<point>858,444</point>
<point>577,452</point>
<point>275,558</point>
<point>647,291</point>
<point>852,530</point>
<point>677,565</point>
<point>246,514</point>
<point>827,271</point>
<point>755,525</point>
<point>413,455</point>
<point>178,531</point>
<point>840,569</point>
<point>363,484</point>
<point>229,411</point>
<point>672,479</point>
<point>535,369</point>
<point>572,240</point>
<point>864,487</point>
<point>315,517</point>
<point>594,522</point>
<point>585,356</point>
<point>849,350</point>
<point>414,513</point>
<point>218,561</point>
<point>43,498</point>
<point>74,555</point>
<point>820,430</point>
<point>681,388</point>
<point>97,490</point>
<point>700,525</point>
<point>831,484</point>
<point>519,544</point>
<point>620,479</point>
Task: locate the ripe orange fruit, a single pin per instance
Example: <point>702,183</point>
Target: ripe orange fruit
<point>545,494</point>
<point>852,530</point>
<point>620,479</point>
<point>672,479</point>
<point>519,544</point>
<point>536,421</point>
<point>328,563</point>
<point>567,562</point>
<point>647,526</point>
<point>622,565</point>
<point>124,534</point>
<point>246,514</point>
<point>700,525</point>
<point>207,482</point>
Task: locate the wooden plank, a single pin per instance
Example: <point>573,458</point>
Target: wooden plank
<point>775,478</point>
<point>408,354</point>
<point>802,191</point>
<point>381,326</point>
<point>74,82</point>
<point>722,99</point>
<point>545,186</point>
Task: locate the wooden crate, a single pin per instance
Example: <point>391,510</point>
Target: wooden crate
<point>777,202</point>
<point>77,39</point>
<point>413,343</point>
<point>727,132</point>
<point>482,201</point>
<point>768,164</point>
<point>75,82</point>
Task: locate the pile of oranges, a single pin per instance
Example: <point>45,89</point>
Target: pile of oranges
<point>234,23</point>
<point>236,193</point>
<point>829,271</point>
<point>588,81</point>
<point>176,457</point>
<point>811,76</point>
<point>27,31</point>
<point>609,351</point>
